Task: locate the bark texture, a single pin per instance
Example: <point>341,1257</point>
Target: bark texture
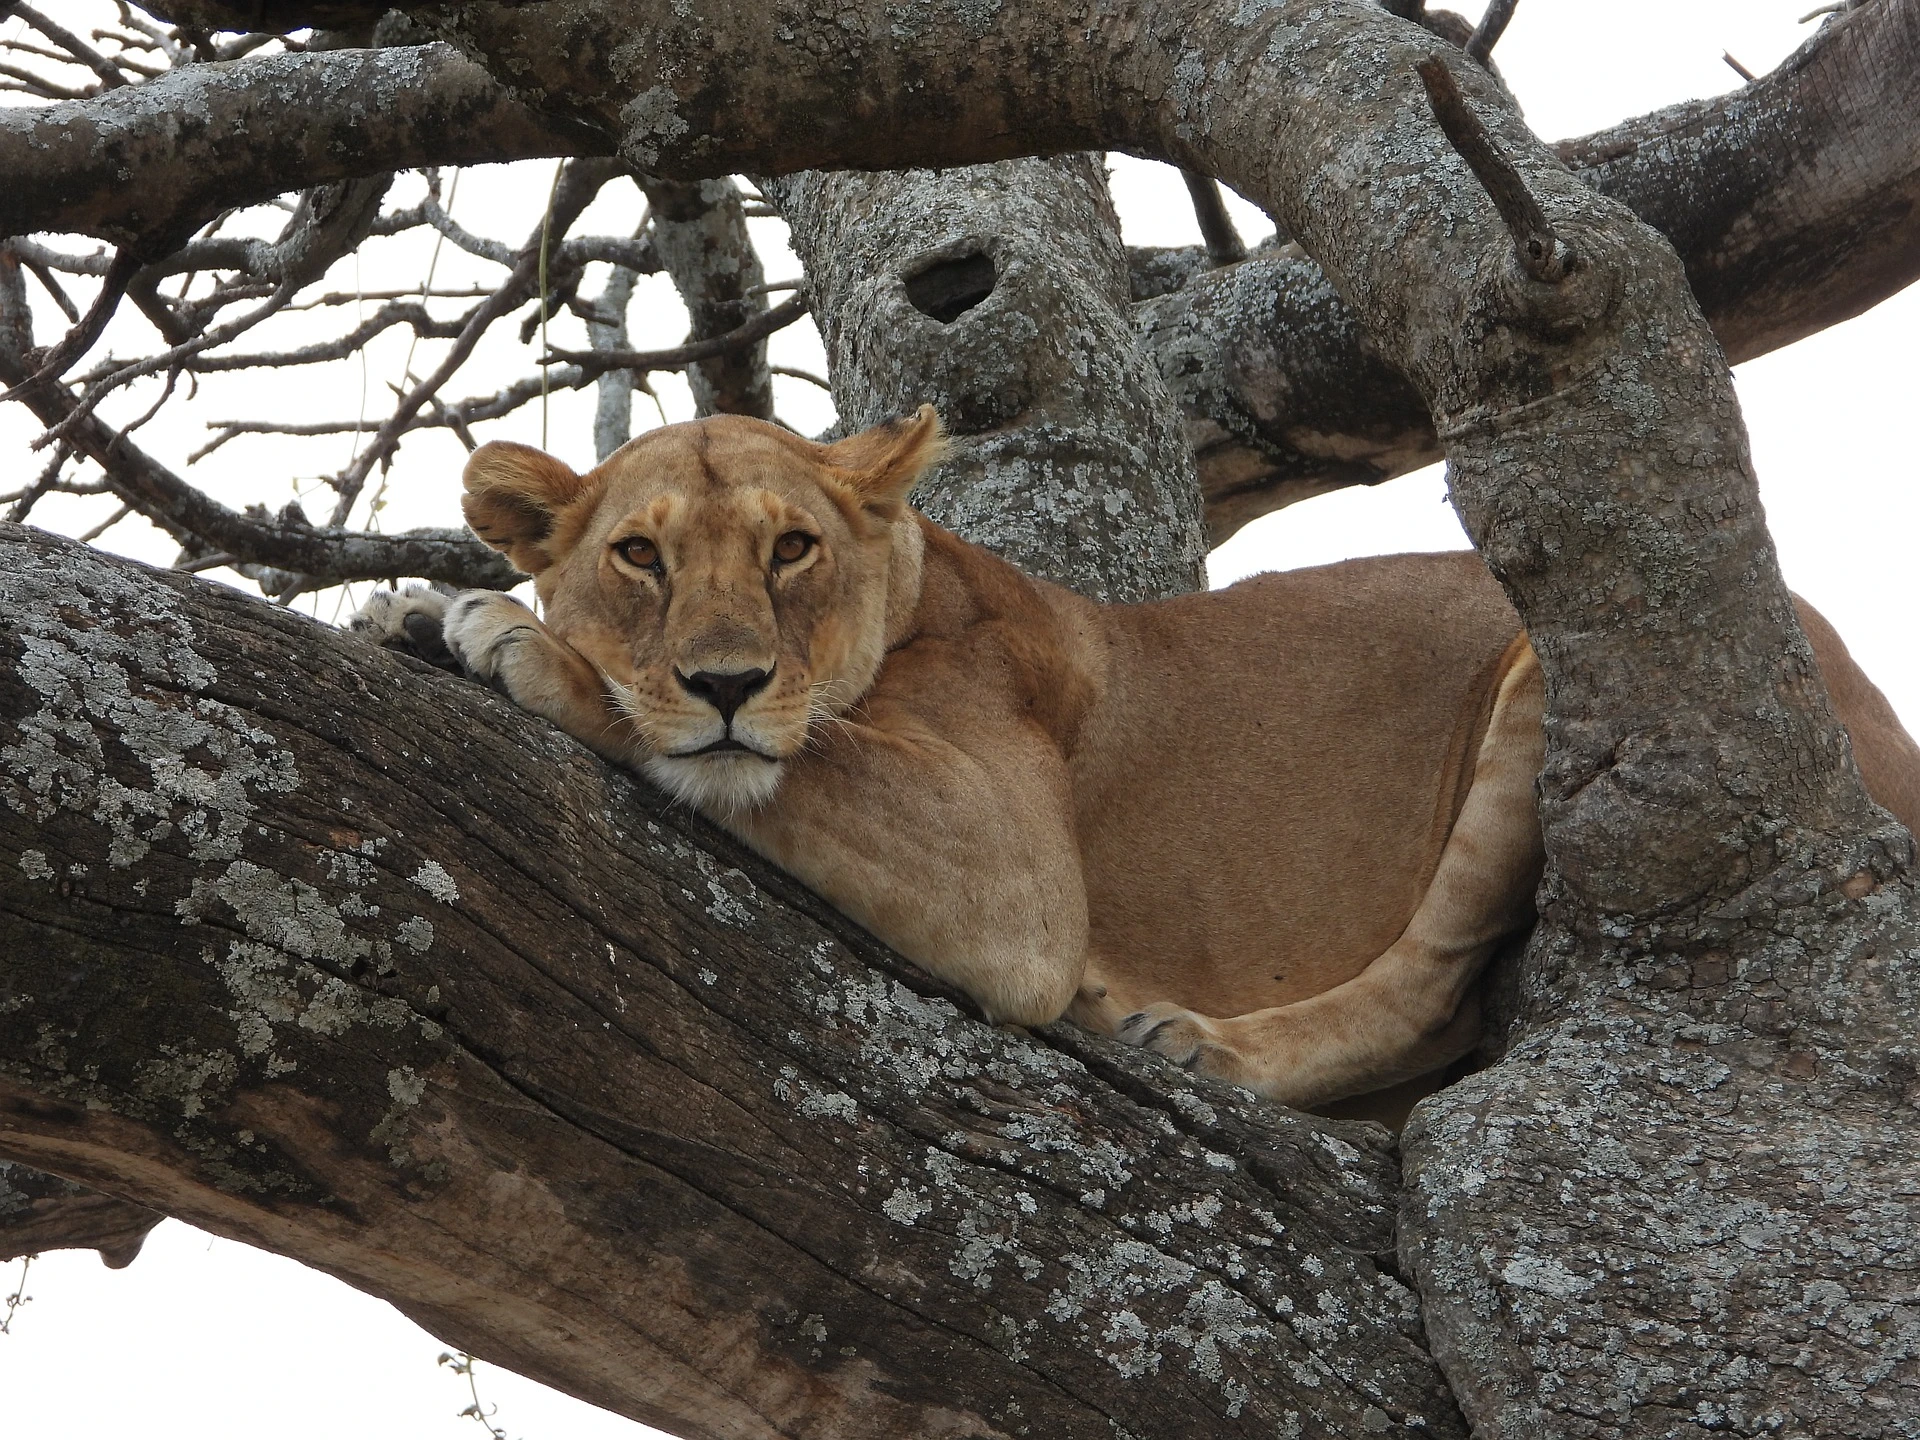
<point>700,231</point>
<point>1791,201</point>
<point>1794,203</point>
<point>335,954</point>
<point>998,293</point>
<point>43,1212</point>
<point>308,119</point>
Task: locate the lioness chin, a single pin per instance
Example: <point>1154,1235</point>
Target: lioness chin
<point>1270,832</point>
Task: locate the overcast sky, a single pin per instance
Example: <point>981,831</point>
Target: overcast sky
<point>208,1338</point>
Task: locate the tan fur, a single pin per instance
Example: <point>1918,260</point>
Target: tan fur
<point>1272,832</point>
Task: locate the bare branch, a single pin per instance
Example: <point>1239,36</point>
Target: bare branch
<point>1486,35</point>
<point>1540,252</point>
<point>494,250</point>
<point>385,318</point>
<point>700,232</point>
<point>1224,245</point>
<point>109,74</point>
<point>57,361</point>
<point>593,363</point>
<point>199,523</point>
<point>580,181</point>
<point>385,110</point>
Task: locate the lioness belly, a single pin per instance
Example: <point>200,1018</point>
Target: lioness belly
<point>1265,786</point>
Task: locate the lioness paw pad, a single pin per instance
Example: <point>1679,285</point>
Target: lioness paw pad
<point>409,621</point>
<point>479,627</point>
<point>1180,1035</point>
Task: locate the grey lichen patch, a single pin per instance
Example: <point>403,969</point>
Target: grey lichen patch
<point>111,656</point>
<point>1199,1278</point>
<point>648,121</point>
<point>735,897</point>
<point>433,878</point>
<point>187,1079</point>
<point>33,864</point>
<point>1723,1192</point>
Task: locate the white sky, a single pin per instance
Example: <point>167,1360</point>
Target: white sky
<point>208,1338</point>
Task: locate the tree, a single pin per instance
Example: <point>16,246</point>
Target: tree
<point>561,1072</point>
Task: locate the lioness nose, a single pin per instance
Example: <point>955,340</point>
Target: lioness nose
<point>725,691</point>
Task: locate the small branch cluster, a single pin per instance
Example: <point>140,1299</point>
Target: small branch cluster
<point>250,272</point>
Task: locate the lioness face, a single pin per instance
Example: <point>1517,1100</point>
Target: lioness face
<point>732,582</point>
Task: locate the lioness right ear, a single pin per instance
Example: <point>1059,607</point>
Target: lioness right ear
<point>881,465</point>
<point>513,494</point>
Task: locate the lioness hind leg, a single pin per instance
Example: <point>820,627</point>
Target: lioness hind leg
<point>1409,1011</point>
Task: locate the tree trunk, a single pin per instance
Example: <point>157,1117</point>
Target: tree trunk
<point>998,294</point>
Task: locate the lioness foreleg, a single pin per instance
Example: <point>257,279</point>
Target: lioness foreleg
<point>962,859</point>
<point>1409,1011</point>
<point>494,638</point>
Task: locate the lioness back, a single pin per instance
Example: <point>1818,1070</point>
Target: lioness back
<point>1264,786</point>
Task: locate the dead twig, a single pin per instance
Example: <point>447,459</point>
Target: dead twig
<point>1540,252</point>
<point>594,363</point>
<point>1486,35</point>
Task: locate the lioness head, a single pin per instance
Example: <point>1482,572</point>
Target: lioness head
<point>734,583</point>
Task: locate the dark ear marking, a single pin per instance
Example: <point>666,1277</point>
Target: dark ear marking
<point>881,465</point>
<point>513,494</point>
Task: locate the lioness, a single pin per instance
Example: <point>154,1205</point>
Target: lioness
<point>1271,832</point>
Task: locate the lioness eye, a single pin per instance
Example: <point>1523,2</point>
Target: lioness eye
<point>640,553</point>
<point>791,546</point>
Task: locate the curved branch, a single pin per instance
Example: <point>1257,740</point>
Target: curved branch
<point>308,119</point>
<point>1794,204</point>
<point>43,1212</point>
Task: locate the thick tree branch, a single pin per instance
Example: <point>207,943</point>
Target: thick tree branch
<point>700,232</point>
<point>347,994</point>
<point>1794,204</point>
<point>1700,807</point>
<point>1816,217</point>
<point>43,1212</point>
<point>308,119</point>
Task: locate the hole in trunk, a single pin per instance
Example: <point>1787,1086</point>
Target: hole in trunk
<point>949,289</point>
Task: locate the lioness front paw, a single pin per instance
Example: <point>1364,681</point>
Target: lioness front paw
<point>481,628</point>
<point>1189,1040</point>
<point>409,621</point>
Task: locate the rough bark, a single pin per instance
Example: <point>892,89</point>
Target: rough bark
<point>1715,871</point>
<point>308,119</point>
<point>1794,203</point>
<point>335,954</point>
<point>998,294</point>
<point>43,1212</point>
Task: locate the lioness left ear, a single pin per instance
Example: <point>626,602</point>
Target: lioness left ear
<point>513,493</point>
<point>881,465</point>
